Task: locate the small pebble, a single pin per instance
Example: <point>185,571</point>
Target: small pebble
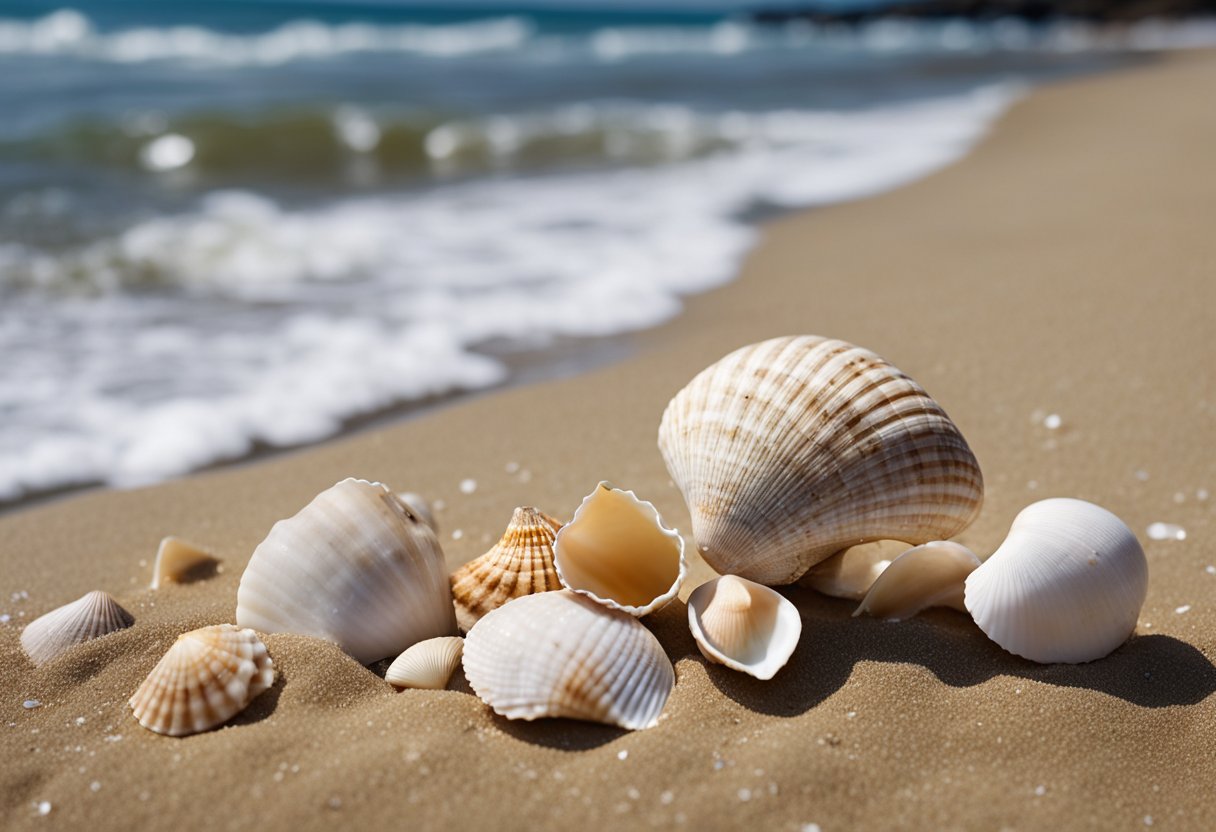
<point>30,704</point>
<point>1052,421</point>
<point>1142,475</point>
<point>80,720</point>
<point>1201,494</point>
<point>1185,608</point>
<point>1211,570</point>
<point>457,534</point>
<point>43,807</point>
<point>512,467</point>
<point>468,486</point>
<point>745,795</point>
<point>1148,820</point>
<point>621,755</point>
<point>95,786</point>
<point>811,827</point>
<point>4,619</point>
<point>666,797</point>
<point>1040,791</point>
<point>1166,531</point>
<point>1179,497</point>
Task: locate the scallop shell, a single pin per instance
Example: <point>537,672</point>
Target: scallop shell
<point>930,575</point>
<point>207,677</point>
<point>793,449</point>
<point>617,552</point>
<point>744,625</point>
<point>178,561</point>
<point>91,616</point>
<point>521,563</point>
<point>420,506</point>
<point>354,567</point>
<point>428,664</point>
<point>851,573</point>
<point>562,654</point>
<point>1066,586</point>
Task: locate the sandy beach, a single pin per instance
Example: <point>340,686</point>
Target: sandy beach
<point>1064,268</point>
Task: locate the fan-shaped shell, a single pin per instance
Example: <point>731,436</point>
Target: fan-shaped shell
<point>793,449</point>
<point>207,677</point>
<point>1067,584</point>
<point>353,566</point>
<point>91,616</point>
<point>521,563</point>
<point>562,654</point>
<point>617,552</point>
<point>178,561</point>
<point>428,664</point>
<point>930,575</point>
<point>744,625</point>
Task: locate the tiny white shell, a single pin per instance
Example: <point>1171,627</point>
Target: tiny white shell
<point>1066,586</point>
<point>428,664</point>
<point>744,625</point>
<point>930,575</point>
<point>91,616</point>
<point>617,552</point>
<point>177,560</point>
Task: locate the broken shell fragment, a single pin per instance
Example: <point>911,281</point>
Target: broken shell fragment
<point>744,625</point>
<point>521,563</point>
<point>617,552</point>
<point>180,562</point>
<point>91,616</point>
<point>420,506</point>
<point>560,654</point>
<point>207,677</point>
<point>851,573</point>
<point>428,664</point>
<point>930,575</point>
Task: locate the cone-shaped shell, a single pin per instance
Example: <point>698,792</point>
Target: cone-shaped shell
<point>851,573</point>
<point>354,567</point>
<point>1067,584</point>
<point>930,575</point>
<point>178,561</point>
<point>421,507</point>
<point>207,677</point>
<point>428,664</point>
<point>793,449</point>
<point>744,625</point>
<point>521,563</point>
<point>91,616</point>
<point>562,654</point>
<point>617,552</point>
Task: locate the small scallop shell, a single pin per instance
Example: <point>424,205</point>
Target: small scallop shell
<point>420,506</point>
<point>428,664</point>
<point>744,625</point>
<point>1066,586</point>
<point>790,450</point>
<point>178,561</point>
<point>207,677</point>
<point>617,552</point>
<point>521,563</point>
<point>930,575</point>
<point>561,654</point>
<point>851,573</point>
<point>355,567</point>
<point>91,616</point>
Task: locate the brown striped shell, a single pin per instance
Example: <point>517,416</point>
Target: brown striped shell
<point>793,449</point>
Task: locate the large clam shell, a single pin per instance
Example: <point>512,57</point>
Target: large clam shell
<point>207,677</point>
<point>744,625</point>
<point>91,616</point>
<point>428,664</point>
<point>793,449</point>
<point>355,567</point>
<point>929,575</point>
<point>1066,586</point>
<point>561,654</point>
<point>521,563</point>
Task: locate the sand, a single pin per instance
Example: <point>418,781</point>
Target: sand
<point>1066,267</point>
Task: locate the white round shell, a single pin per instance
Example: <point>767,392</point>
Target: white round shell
<point>91,616</point>
<point>428,664</point>
<point>744,625</point>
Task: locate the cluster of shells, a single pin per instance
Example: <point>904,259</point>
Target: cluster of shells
<point>789,453</point>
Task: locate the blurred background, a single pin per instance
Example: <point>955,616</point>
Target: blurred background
<point>227,227</point>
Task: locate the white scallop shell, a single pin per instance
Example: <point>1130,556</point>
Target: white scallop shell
<point>177,560</point>
<point>851,573</point>
<point>744,625</point>
<point>561,654</point>
<point>207,677</point>
<point>428,664</point>
<point>354,567</point>
<point>617,552</point>
<point>421,507</point>
<point>1067,584</point>
<point>91,616</point>
<point>793,449</point>
<point>930,575</point>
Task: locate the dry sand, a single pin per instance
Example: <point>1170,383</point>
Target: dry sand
<point>1067,267</point>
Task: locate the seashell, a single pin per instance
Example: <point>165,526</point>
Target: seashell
<point>521,563</point>
<point>790,450</point>
<point>617,552</point>
<point>180,562</point>
<point>744,625</point>
<point>354,567</point>
<point>428,664</point>
<point>91,616</point>
<point>851,573</point>
<point>562,654</point>
<point>420,506</point>
<point>930,575</point>
<point>1067,584</point>
<point>207,677</point>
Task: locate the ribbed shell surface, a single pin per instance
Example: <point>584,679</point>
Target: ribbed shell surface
<point>559,654</point>
<point>428,664</point>
<point>354,567</point>
<point>1066,586</point>
<point>207,677</point>
<point>521,563</point>
<point>793,449</point>
<point>91,616</point>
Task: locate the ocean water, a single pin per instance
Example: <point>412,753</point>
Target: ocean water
<point>246,224</point>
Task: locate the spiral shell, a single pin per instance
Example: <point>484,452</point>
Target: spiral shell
<point>744,625</point>
<point>428,664</point>
<point>91,616</point>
